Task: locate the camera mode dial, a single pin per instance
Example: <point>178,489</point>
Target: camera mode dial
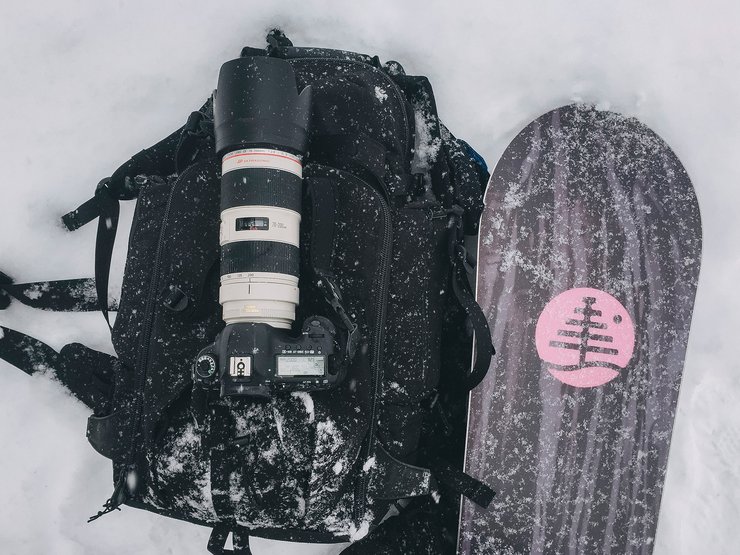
<point>205,368</point>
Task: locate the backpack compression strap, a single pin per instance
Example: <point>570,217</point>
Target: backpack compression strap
<point>484,349</point>
<point>322,241</point>
<point>88,374</point>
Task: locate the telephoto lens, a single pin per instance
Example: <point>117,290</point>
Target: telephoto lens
<point>261,127</point>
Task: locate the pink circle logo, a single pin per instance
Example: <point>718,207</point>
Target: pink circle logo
<point>585,336</point>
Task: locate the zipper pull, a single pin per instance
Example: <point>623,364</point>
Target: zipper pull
<point>119,496</point>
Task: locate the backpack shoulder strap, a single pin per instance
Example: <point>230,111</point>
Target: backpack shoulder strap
<point>88,374</point>
<point>64,295</point>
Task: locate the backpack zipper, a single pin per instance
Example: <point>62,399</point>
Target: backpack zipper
<point>377,366</point>
<point>360,504</point>
<point>145,344</point>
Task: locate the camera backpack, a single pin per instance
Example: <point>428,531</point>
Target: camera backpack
<point>389,197</point>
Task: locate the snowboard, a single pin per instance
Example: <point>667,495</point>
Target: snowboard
<point>588,261</point>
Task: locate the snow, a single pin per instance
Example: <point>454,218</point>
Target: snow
<point>361,532</point>
<point>381,94</point>
<point>86,84</point>
<point>369,463</point>
<point>307,400</point>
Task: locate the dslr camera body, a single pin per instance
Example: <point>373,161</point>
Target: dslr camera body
<point>261,130</point>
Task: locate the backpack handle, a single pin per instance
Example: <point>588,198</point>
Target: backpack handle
<point>280,46</point>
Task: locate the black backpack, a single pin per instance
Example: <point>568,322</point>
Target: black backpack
<point>390,195</point>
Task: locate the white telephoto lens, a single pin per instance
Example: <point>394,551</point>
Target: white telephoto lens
<point>259,236</point>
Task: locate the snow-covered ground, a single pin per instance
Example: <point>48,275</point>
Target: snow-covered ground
<point>84,84</point>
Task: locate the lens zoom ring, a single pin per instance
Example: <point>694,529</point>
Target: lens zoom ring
<point>261,187</point>
<point>260,256</point>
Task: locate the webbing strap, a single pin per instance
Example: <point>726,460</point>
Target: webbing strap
<point>462,483</point>
<point>65,295</point>
<point>194,137</point>
<point>322,223</point>
<point>159,159</point>
<point>87,373</point>
<point>26,353</point>
<point>483,345</point>
<point>219,535</point>
<point>217,438</point>
<point>484,349</point>
<point>218,431</point>
<point>83,214</point>
<point>279,46</point>
<point>104,242</point>
<point>322,241</point>
<point>166,157</point>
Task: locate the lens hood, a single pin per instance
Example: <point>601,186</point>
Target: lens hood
<point>257,104</point>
